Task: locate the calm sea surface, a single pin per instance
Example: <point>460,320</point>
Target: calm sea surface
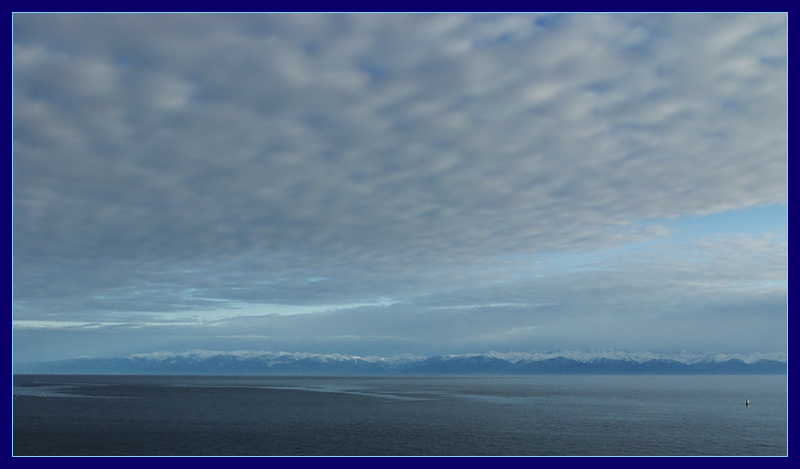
<point>531,415</point>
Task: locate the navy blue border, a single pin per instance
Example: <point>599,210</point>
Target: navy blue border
<point>404,6</point>
<point>396,6</point>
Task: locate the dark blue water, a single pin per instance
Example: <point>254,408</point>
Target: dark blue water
<point>531,415</point>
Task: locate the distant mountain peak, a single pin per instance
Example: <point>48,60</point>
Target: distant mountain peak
<point>276,363</point>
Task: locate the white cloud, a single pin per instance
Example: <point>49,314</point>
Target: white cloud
<point>403,156</point>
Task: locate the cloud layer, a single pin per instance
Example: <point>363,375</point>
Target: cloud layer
<point>193,162</point>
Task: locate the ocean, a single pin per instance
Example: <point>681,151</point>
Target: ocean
<point>400,416</point>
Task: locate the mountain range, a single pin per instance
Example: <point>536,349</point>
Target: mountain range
<point>202,362</point>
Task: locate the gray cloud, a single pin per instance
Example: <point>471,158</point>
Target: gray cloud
<point>169,163</point>
<point>717,294</point>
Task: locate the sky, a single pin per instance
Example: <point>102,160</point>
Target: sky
<point>384,184</point>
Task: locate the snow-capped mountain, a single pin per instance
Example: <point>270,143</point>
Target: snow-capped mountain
<point>202,362</point>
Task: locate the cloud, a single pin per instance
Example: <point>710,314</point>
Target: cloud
<point>713,295</point>
<point>168,163</point>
